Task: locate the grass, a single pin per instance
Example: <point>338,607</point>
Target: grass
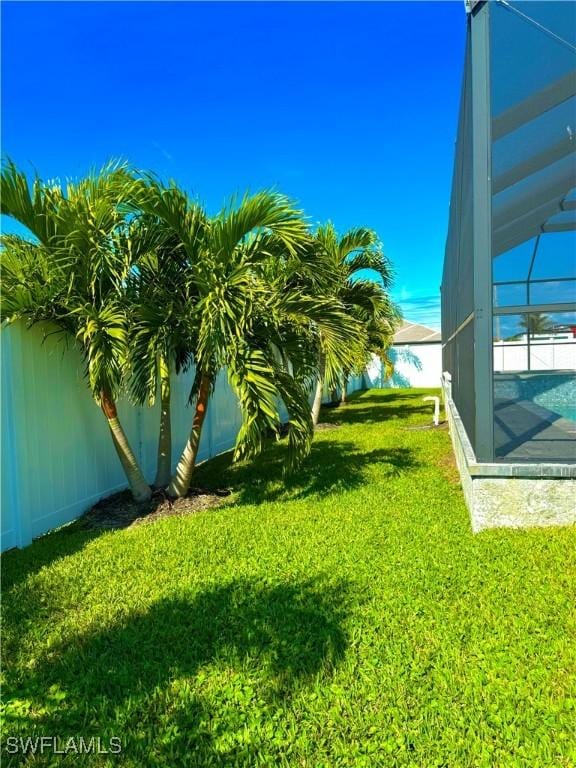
<point>345,618</point>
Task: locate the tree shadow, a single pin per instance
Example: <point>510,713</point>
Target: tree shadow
<point>331,466</point>
<point>388,395</point>
<point>374,414</point>
<point>17,565</point>
<point>280,637</point>
<point>407,358</point>
<point>385,405</point>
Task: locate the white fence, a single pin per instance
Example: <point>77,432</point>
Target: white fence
<point>545,355</point>
<point>57,455</point>
<point>415,365</point>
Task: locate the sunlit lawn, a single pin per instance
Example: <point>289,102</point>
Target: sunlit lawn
<point>345,618</point>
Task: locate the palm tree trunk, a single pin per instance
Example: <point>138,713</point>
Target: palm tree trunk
<point>140,489</point>
<point>334,396</point>
<point>319,388</point>
<point>344,387</point>
<point>180,483</point>
<point>164,465</point>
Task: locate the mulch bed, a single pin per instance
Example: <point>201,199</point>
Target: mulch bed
<point>321,427</point>
<point>121,511</point>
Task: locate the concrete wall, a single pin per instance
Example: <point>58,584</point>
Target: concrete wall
<point>57,456</point>
<point>508,495</point>
<point>416,365</point>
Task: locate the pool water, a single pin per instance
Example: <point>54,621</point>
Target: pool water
<point>566,411</point>
<point>555,391</point>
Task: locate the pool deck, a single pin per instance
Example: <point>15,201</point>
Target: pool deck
<point>526,431</point>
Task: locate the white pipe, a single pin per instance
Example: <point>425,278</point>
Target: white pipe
<point>436,408</point>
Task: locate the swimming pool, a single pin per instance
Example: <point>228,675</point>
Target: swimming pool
<point>566,411</point>
<point>555,391</point>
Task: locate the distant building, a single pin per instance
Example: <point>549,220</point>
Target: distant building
<point>417,357</point>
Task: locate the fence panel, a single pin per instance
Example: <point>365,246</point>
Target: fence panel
<point>11,527</point>
<point>57,456</point>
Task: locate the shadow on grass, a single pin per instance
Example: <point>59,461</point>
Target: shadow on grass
<point>19,564</point>
<point>374,414</point>
<point>370,407</point>
<point>383,396</point>
<point>332,465</point>
<point>201,663</point>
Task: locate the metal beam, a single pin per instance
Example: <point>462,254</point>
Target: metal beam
<point>533,164</point>
<point>535,281</point>
<point>482,239</point>
<point>461,327</point>
<point>530,270</point>
<point>523,204</point>
<point>523,309</point>
<point>524,227</point>
<point>532,224</point>
<point>560,226</point>
<point>534,106</point>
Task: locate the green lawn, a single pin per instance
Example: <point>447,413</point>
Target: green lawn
<point>345,618</point>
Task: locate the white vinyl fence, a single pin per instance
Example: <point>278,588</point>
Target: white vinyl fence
<point>545,355</point>
<point>415,365</point>
<point>57,455</point>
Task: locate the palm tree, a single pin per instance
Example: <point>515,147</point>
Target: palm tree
<point>379,337</point>
<point>162,300</point>
<point>70,271</point>
<point>365,300</point>
<point>233,302</point>
<point>219,305</point>
<point>536,322</point>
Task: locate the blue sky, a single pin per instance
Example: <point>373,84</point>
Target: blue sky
<point>350,108</point>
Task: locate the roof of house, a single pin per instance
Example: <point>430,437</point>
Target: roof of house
<point>412,333</point>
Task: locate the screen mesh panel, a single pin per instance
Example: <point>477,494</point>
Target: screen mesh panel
<point>457,279</point>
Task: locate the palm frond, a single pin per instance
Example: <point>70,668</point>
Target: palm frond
<point>102,334</point>
<point>264,212</point>
<point>374,261</point>
<point>356,239</point>
<point>252,378</point>
<point>35,206</point>
<point>294,394</point>
<point>182,217</point>
<point>338,332</point>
